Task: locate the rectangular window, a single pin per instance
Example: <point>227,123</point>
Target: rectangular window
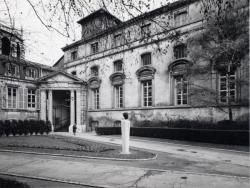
<point>145,30</point>
<point>147,93</point>
<point>96,99</point>
<point>118,39</point>
<point>94,71</point>
<point>12,97</point>
<point>94,48</point>
<point>181,90</point>
<point>180,51</point>
<point>146,59</point>
<point>228,87</point>
<point>180,18</point>
<point>119,96</point>
<point>74,55</point>
<point>31,98</point>
<point>118,65</point>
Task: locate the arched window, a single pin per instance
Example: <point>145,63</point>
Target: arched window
<point>5,46</point>
<point>179,77</point>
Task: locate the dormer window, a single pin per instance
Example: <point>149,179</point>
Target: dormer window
<point>12,69</point>
<point>180,51</point>
<point>145,30</point>
<point>74,55</point>
<point>118,65</point>
<point>31,73</point>
<point>94,48</point>
<point>94,71</point>
<point>146,59</point>
<point>5,46</point>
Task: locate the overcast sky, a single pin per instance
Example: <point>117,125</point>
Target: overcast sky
<point>41,45</point>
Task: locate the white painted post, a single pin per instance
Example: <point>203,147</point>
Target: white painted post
<point>125,124</point>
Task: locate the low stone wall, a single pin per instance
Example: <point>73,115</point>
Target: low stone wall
<point>106,118</point>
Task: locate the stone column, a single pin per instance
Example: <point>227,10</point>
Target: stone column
<point>72,110</point>
<point>43,105</point>
<point>50,109</point>
<point>80,127</point>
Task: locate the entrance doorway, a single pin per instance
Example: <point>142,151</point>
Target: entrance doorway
<point>61,110</point>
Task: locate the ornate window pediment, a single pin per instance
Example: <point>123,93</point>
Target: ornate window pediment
<point>179,67</point>
<point>117,78</point>
<point>146,73</point>
<point>94,82</point>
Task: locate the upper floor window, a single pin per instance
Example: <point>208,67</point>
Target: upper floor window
<point>181,90</point>
<point>31,98</point>
<point>145,30</point>
<point>94,71</point>
<point>180,18</point>
<point>118,65</point>
<point>180,51</point>
<point>118,39</point>
<point>31,73</point>
<point>5,46</point>
<point>94,48</point>
<point>74,55</point>
<point>11,97</point>
<point>227,87</point>
<point>146,59</point>
<point>12,69</point>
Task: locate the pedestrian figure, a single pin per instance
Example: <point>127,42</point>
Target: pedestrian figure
<point>125,124</point>
<point>74,129</point>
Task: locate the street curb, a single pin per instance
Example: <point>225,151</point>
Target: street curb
<point>78,156</point>
<point>53,180</point>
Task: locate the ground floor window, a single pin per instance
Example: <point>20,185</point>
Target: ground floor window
<point>11,97</point>
<point>181,90</point>
<point>119,96</point>
<point>31,98</point>
<point>147,93</point>
<point>227,87</point>
<point>96,98</point>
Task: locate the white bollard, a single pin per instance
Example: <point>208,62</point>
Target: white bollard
<point>125,125</point>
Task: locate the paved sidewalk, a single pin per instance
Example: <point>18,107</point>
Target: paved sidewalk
<point>178,150</point>
<point>109,175</point>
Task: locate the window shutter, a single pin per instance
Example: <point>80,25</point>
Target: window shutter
<point>38,98</point>
<point>4,97</point>
<point>25,98</point>
<point>20,91</point>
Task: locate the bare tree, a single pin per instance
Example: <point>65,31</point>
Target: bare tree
<point>224,41</point>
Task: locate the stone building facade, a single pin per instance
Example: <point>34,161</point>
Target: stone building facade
<point>138,67</point>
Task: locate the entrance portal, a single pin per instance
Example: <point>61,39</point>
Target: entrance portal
<point>61,110</point>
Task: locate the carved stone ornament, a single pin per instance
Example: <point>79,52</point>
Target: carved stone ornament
<point>179,67</point>
<point>117,78</point>
<point>94,83</point>
<point>146,73</point>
